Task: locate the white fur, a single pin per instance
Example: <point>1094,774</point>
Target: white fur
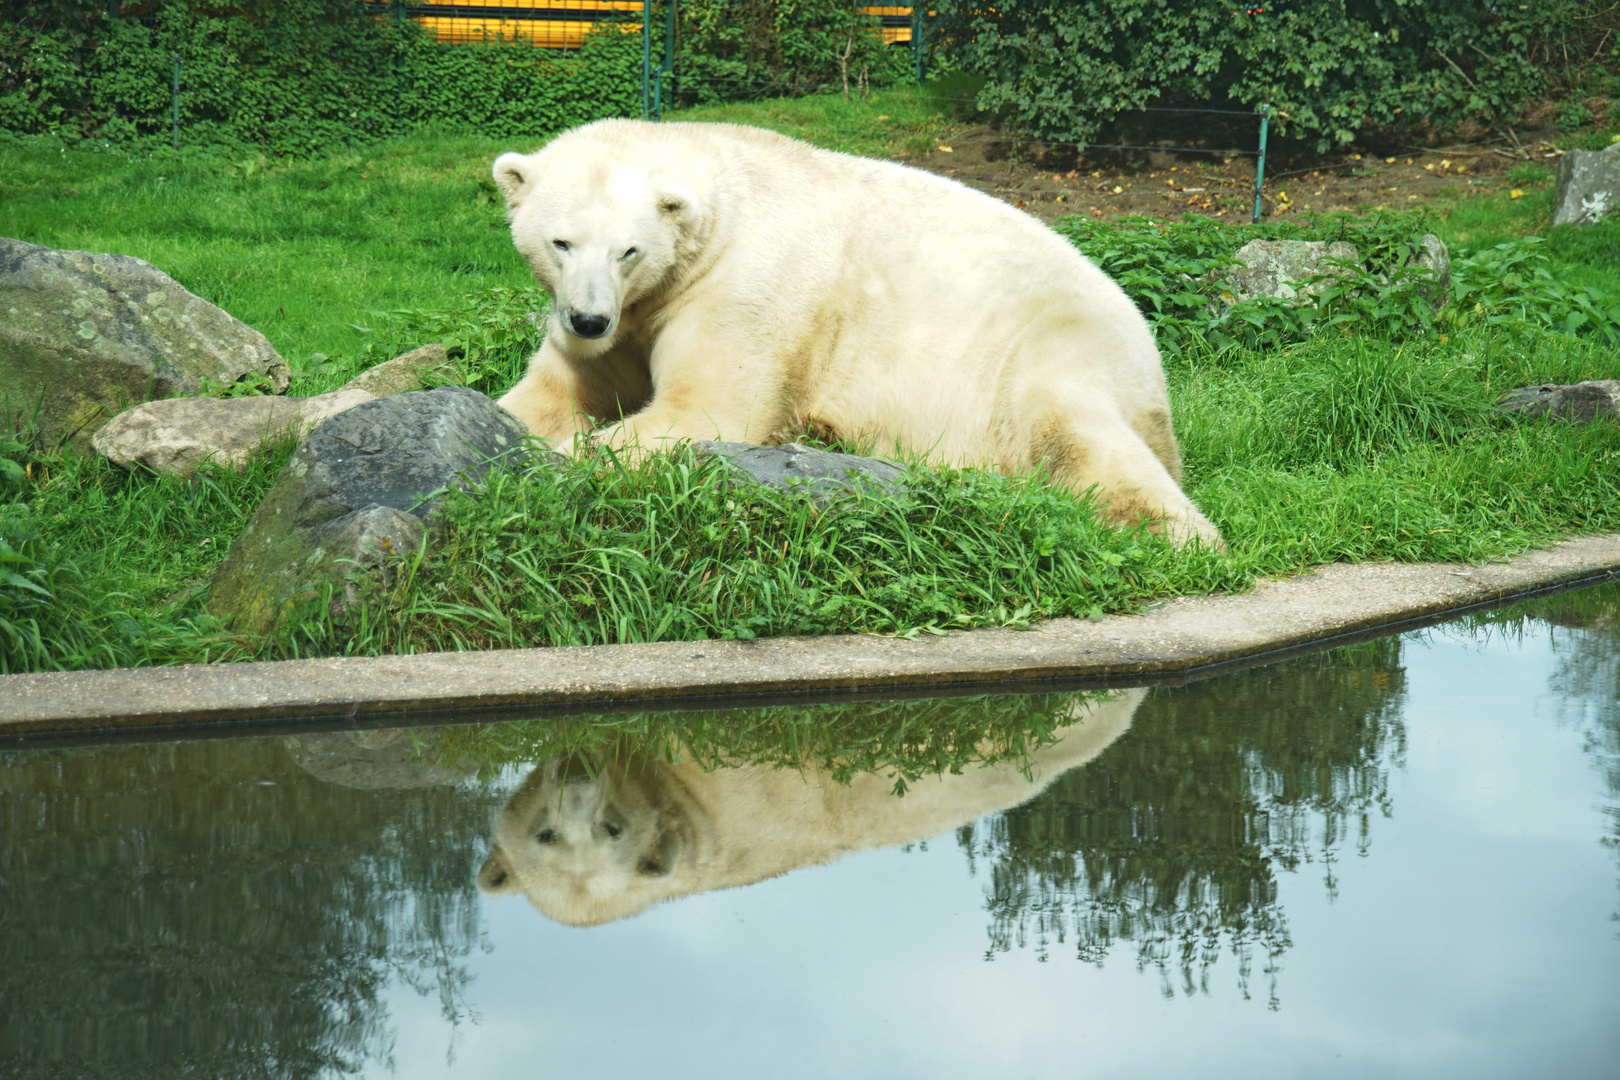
<point>775,286</point>
<point>590,848</point>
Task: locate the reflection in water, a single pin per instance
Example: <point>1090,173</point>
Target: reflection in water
<point>239,908</point>
<point>213,907</point>
<point>592,840</point>
<point>1584,633</point>
<point>1173,837</point>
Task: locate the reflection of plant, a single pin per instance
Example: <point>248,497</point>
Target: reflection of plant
<point>900,739</point>
<point>1171,839</point>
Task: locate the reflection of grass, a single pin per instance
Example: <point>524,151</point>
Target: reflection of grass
<point>904,740</point>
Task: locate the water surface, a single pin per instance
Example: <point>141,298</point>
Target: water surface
<point>1395,859</point>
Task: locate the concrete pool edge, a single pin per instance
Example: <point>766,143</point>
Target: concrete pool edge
<point>1173,642</point>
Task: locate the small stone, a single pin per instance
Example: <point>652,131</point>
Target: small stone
<point>820,473</point>
<point>1588,186</point>
<point>411,371</point>
<point>1285,268</point>
<point>179,434</point>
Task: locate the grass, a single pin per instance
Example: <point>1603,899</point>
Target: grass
<point>1362,432</point>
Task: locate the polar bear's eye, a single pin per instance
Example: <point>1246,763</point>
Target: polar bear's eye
<point>612,830</point>
<point>560,245</point>
<point>628,252</point>
<point>546,836</point>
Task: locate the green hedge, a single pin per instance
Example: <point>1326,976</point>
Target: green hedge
<point>1330,68</point>
<point>301,76</point>
<point>295,77</point>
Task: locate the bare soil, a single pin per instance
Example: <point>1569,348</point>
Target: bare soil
<point>1173,178</point>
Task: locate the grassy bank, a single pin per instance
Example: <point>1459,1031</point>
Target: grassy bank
<point>1360,432</point>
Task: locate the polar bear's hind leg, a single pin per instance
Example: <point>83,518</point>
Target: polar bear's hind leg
<point>1083,448</point>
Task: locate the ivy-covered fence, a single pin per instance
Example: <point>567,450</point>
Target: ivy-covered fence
<point>291,76</point>
<point>303,76</point>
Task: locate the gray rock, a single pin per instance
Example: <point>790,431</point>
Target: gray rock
<point>821,473</point>
<point>1580,403</point>
<point>82,337</point>
<point>379,760</point>
<point>1588,186</point>
<point>179,434</point>
<point>1284,269</point>
<point>409,372</point>
<point>1429,253</point>
<point>353,494</point>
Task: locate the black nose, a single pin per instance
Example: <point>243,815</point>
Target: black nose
<point>588,325</point>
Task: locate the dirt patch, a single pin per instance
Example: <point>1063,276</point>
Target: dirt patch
<point>1173,179</point>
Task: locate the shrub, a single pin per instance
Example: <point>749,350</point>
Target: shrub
<point>1329,68</point>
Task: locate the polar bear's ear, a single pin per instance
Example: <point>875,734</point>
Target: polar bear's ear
<point>512,176</point>
<point>496,877</point>
<point>674,203</point>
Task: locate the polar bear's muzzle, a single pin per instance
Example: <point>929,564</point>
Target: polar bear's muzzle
<point>588,326</point>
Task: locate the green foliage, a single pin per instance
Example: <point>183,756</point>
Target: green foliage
<point>102,568</point>
<point>1172,270</point>
<point>744,49</point>
<point>598,551</point>
<point>1329,68</point>
<point>491,336</point>
<point>300,77</point>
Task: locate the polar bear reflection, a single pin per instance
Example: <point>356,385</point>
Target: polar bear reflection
<point>590,849</point>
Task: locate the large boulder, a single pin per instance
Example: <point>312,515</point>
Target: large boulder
<point>416,370</point>
<point>179,434</point>
<point>1588,186</point>
<point>1580,403</point>
<point>355,493</point>
<point>83,337</point>
<point>820,474</point>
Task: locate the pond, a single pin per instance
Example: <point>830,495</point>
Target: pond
<point>1396,859</point>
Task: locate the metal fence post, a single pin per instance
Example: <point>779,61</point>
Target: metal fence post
<point>917,40</point>
<point>666,72</point>
<point>177,99</point>
<point>646,59</point>
<point>399,65</point>
<point>1260,163</point>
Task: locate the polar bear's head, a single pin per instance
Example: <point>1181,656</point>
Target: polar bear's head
<point>590,840</point>
<point>604,222</point>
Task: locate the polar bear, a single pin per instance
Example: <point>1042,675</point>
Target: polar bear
<point>711,281</point>
<point>590,842</point>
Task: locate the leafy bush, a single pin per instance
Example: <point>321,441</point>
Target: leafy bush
<point>1329,68</point>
